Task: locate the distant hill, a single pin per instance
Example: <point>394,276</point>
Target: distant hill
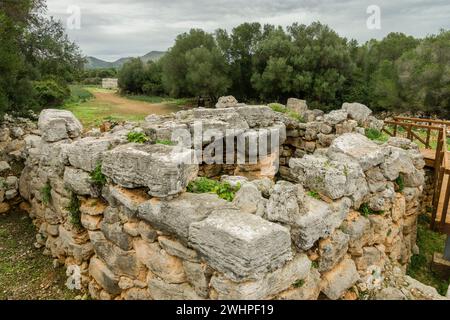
<point>95,63</point>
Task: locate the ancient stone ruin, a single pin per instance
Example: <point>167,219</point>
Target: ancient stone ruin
<point>320,216</point>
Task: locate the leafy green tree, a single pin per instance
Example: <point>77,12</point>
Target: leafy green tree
<point>153,79</point>
<point>206,72</point>
<point>132,76</point>
<point>322,63</point>
<point>238,49</point>
<point>174,63</point>
<point>33,48</point>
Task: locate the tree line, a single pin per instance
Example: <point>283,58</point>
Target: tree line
<point>269,63</point>
<point>37,60</point>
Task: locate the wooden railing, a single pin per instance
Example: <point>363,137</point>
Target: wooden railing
<point>441,164</point>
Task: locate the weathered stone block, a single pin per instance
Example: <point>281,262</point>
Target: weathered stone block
<point>359,148</point>
<point>165,170</point>
<point>357,111</point>
<point>332,250</point>
<point>114,232</point>
<point>87,153</point>
<point>104,277</point>
<point>340,279</point>
<point>198,276</point>
<point>175,216</point>
<point>78,181</point>
<point>242,246</point>
<point>161,290</point>
<point>271,284</point>
<point>57,125</point>
<point>159,262</point>
<point>122,263</point>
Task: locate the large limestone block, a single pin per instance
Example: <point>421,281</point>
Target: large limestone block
<point>165,266</point>
<point>309,289</point>
<point>357,111</point>
<point>359,148</point>
<point>320,221</point>
<point>257,116</point>
<point>160,290</point>
<point>122,263</point>
<point>87,153</point>
<point>165,170</point>
<point>297,105</point>
<point>242,246</point>
<point>334,179</point>
<point>175,216</point>
<point>227,102</point>
<point>332,250</point>
<point>271,284</point>
<point>104,277</point>
<point>335,117</point>
<point>78,181</point>
<point>340,279</point>
<point>287,203</point>
<point>56,125</point>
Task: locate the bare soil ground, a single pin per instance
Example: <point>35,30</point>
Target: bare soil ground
<point>25,273</point>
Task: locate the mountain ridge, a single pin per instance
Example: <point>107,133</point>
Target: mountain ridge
<point>96,63</point>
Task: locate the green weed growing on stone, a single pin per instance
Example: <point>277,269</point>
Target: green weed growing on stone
<point>400,182</point>
<point>366,211</point>
<point>277,107</point>
<point>299,283</point>
<point>314,194</point>
<point>373,134</point>
<point>74,211</point>
<point>46,193</point>
<point>97,177</point>
<point>205,185</point>
<point>137,137</point>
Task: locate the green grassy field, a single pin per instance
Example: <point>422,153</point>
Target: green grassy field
<point>165,100</point>
<point>429,242</point>
<point>93,105</point>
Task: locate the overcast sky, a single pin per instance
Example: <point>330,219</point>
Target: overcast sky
<point>111,29</point>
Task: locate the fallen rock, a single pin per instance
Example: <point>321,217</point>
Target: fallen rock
<point>227,102</point>
<point>56,125</point>
<point>357,111</point>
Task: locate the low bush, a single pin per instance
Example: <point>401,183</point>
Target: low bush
<point>97,177</point>
<point>49,93</point>
<point>74,211</point>
<point>222,189</point>
<point>137,137</point>
<point>46,193</point>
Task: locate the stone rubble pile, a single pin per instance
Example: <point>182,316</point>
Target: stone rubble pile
<point>342,217</point>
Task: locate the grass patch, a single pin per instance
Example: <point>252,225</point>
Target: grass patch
<point>79,94</point>
<point>314,194</point>
<point>164,100</point>
<point>429,242</point>
<point>223,190</point>
<point>137,137</point>
<point>97,176</point>
<point>366,211</point>
<point>46,193</point>
<point>277,107</point>
<point>376,135</point>
<point>74,211</point>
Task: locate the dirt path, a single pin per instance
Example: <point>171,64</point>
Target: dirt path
<point>128,106</point>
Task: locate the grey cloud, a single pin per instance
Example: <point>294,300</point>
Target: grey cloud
<point>113,28</point>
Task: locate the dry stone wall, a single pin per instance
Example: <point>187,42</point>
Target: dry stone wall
<point>328,225</point>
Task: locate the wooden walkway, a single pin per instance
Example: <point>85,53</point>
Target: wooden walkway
<point>430,159</point>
